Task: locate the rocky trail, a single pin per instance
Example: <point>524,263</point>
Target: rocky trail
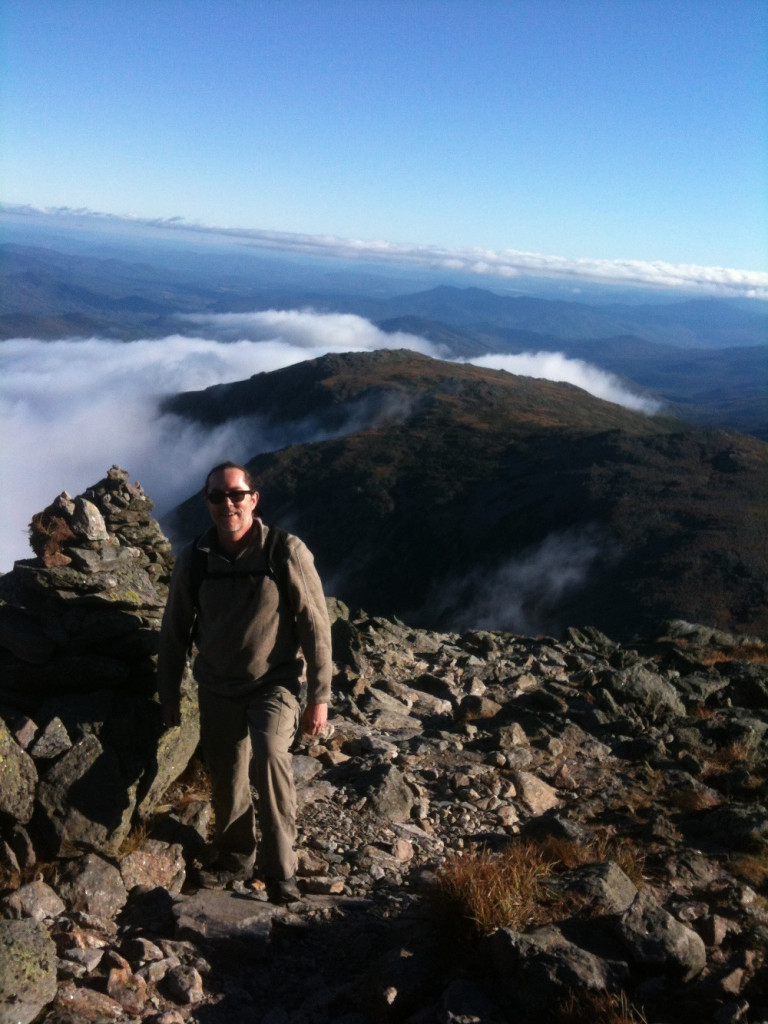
<point>494,828</point>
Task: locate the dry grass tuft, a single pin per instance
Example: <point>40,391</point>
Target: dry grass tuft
<point>496,890</point>
<point>513,889</point>
<point>732,755</point>
<point>749,652</point>
<point>689,801</point>
<point>753,867</point>
<point>584,1007</point>
<point>702,712</point>
<point>626,854</point>
<point>134,840</point>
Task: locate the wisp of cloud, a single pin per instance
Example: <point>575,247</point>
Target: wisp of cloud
<point>71,409</point>
<point>556,366</point>
<point>521,593</point>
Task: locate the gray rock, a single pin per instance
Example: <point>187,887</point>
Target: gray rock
<point>87,959</point>
<point>22,846</point>
<point>174,750</point>
<point>734,826</point>
<point>18,778</point>
<point>83,801</point>
<point>8,862</point>
<point>52,740</point>
<point>474,708</point>
<point>27,970</point>
<point>225,916</point>
<point>87,522</point>
<point>511,736</point>
<point>655,939</point>
<point>605,885</point>
<point>94,886</point>
<point>185,985</point>
<point>518,758</point>
<point>540,968</point>
<point>388,793</point>
<point>21,634</point>
<point>36,900</point>
<point>537,795</point>
<point>154,863</point>
<point>650,694</point>
<point>305,769</point>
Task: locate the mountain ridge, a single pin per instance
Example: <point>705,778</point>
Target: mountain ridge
<point>465,483</point>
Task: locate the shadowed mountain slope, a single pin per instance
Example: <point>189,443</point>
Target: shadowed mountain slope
<point>456,496</point>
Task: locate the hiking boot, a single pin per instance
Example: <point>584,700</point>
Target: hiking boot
<point>281,891</point>
<point>213,877</point>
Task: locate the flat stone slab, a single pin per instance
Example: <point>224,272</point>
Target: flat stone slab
<point>223,916</point>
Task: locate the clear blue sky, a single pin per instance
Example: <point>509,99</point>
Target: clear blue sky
<point>621,129</point>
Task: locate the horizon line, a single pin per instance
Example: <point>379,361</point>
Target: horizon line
<point>506,264</point>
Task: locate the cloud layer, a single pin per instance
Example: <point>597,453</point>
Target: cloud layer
<point>556,366</point>
<point>505,263</point>
<point>521,594</point>
<point>70,409</point>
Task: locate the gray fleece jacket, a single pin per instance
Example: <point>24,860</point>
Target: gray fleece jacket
<point>248,633</point>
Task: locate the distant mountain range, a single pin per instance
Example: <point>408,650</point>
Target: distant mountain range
<point>455,496</point>
<point>706,359</point>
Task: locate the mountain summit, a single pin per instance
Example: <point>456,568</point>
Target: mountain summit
<point>461,497</point>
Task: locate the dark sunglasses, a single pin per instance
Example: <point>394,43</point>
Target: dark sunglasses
<point>219,497</point>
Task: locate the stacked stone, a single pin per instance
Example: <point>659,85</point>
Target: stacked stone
<point>82,751</point>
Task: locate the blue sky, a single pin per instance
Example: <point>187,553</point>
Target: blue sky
<point>623,130</point>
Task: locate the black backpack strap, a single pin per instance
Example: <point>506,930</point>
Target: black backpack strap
<point>276,554</point>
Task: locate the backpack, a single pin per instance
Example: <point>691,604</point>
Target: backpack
<point>277,557</point>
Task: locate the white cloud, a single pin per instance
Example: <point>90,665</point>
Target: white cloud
<point>70,409</point>
<point>558,367</point>
<point>504,263</point>
<point>306,329</point>
<point>522,593</point>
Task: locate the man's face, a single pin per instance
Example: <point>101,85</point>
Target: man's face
<point>231,519</point>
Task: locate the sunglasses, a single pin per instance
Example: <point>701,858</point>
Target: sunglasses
<point>219,497</point>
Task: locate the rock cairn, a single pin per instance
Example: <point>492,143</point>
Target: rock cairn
<point>651,760</point>
<point>79,731</point>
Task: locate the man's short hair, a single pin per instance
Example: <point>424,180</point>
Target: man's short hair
<point>250,481</point>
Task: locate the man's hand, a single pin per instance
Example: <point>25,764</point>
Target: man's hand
<point>314,718</point>
<point>171,713</point>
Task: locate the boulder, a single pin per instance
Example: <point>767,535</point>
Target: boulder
<point>541,967</point>
<point>154,864</point>
<point>225,916</point>
<point>94,886</point>
<point>647,692</point>
<point>27,970</point>
<point>82,801</point>
<point>537,795</point>
<point>36,900</point>
<point>655,939</point>
<point>388,793</point>
<point>605,886</point>
<point>18,778</point>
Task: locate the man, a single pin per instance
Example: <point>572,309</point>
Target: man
<point>248,628</point>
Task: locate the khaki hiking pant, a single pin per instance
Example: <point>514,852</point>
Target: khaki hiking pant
<point>246,740</point>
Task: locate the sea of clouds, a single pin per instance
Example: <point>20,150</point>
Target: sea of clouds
<point>71,409</point>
